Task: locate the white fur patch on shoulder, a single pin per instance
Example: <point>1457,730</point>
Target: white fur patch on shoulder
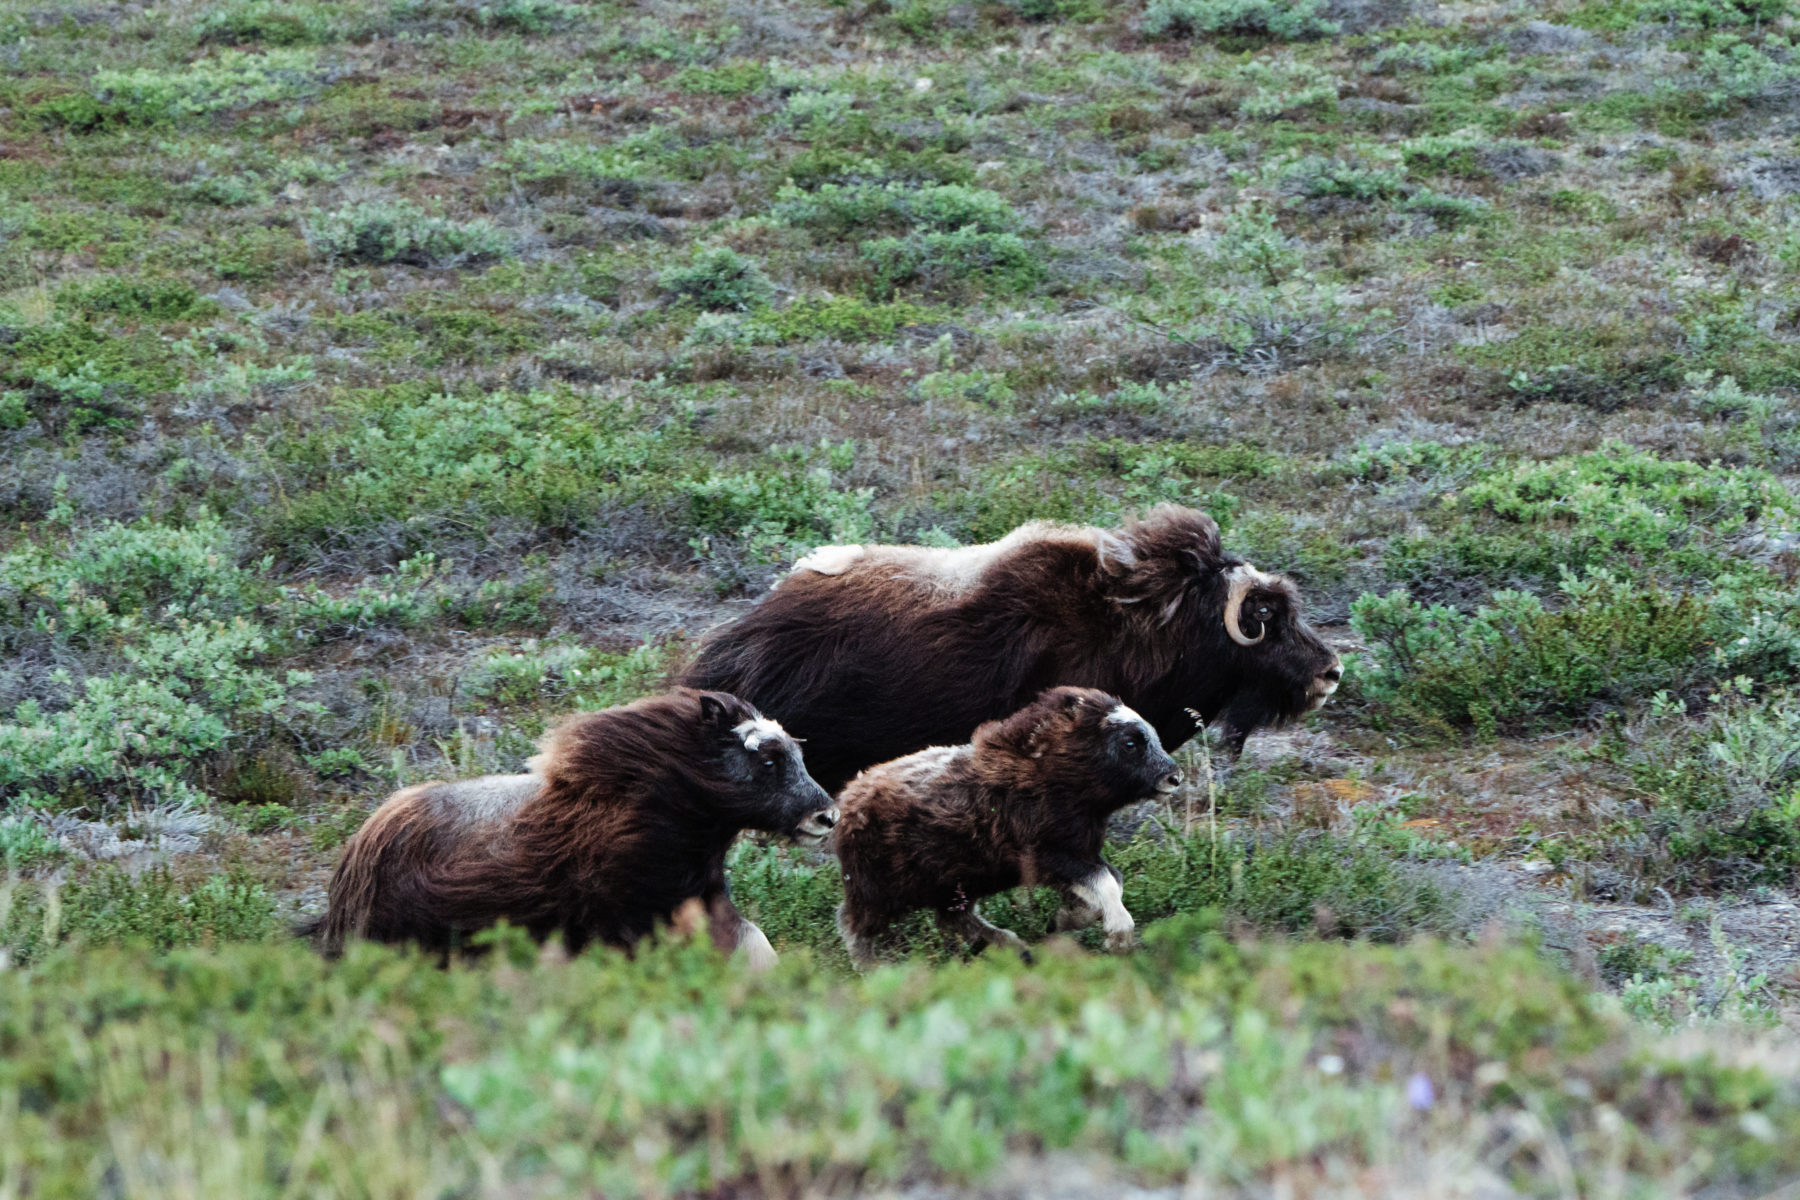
<point>829,560</point>
<point>758,730</point>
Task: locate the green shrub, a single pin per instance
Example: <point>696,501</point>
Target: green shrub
<point>153,910</point>
<point>399,231</point>
<point>1517,664</point>
<point>24,844</point>
<point>567,677</point>
<point>229,80</point>
<point>263,23</point>
<point>177,676</point>
<point>675,1070</point>
<point>774,516</point>
<point>1717,801</point>
<point>614,173</point>
<point>124,296</point>
<point>1317,177</point>
<point>1287,20</point>
<point>844,212</point>
<point>845,318</point>
<point>415,457</point>
<point>1618,507</point>
<point>717,279</point>
<point>935,261</point>
<point>741,77</point>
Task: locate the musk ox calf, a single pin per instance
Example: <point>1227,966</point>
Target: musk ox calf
<point>870,652</point>
<point>623,822</point>
<point>1025,804</point>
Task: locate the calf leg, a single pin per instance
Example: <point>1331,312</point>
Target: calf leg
<point>858,939</point>
<point>980,933</point>
<point>1076,913</point>
<point>1101,890</point>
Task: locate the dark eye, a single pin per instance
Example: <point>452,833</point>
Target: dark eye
<point>768,763</point>
<point>1131,743</point>
<point>1263,612</point>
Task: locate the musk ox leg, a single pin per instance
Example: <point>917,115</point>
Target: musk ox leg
<point>981,933</point>
<point>753,944</point>
<point>859,942</point>
<point>1101,890</point>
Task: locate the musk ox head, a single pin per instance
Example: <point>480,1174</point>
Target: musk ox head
<point>1076,736</point>
<point>766,786</point>
<point>1232,639</point>
<point>706,755</point>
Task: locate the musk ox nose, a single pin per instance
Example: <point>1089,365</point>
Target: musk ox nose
<point>1169,782</point>
<point>1332,674</point>
<point>820,823</point>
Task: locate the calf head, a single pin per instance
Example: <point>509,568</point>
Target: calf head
<point>1222,638</point>
<point>761,780</point>
<point>1084,744</point>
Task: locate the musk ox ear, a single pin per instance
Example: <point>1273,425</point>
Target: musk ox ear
<point>715,714</point>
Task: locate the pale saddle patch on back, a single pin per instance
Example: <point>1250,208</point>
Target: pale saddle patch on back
<point>827,560</point>
<point>487,800</point>
<point>946,569</point>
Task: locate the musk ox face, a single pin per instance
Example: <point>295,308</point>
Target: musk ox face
<point>766,784</point>
<point>1246,655</point>
<point>1132,755</point>
<point>1298,672</point>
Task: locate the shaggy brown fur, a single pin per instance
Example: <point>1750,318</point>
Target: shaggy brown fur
<point>624,819</point>
<point>1025,804</point>
<point>870,652</point>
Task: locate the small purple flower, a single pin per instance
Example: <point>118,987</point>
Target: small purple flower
<point>1419,1092</point>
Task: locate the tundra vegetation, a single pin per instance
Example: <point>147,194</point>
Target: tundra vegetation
<point>382,380</point>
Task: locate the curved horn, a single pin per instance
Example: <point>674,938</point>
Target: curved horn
<point>1243,577</point>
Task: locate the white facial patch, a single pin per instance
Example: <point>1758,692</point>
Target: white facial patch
<point>1125,715</point>
<point>758,731</point>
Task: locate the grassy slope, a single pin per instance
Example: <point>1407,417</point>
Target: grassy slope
<point>379,380</point>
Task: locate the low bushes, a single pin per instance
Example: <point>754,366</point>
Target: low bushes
<point>1516,664</point>
<point>256,1068</point>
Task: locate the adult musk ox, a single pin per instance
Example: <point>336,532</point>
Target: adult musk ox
<point>623,822</point>
<point>1025,803</point>
<point>870,652</point>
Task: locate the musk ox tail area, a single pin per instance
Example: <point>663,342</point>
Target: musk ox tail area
<point>355,885</point>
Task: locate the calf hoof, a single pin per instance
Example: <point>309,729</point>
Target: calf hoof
<point>1122,942</point>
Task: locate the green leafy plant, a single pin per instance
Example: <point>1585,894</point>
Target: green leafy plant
<point>399,231</point>
<point>1516,662</point>
<point>719,278</point>
<point>1287,20</point>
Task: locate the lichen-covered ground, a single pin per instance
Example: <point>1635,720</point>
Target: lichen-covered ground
<point>380,380</point>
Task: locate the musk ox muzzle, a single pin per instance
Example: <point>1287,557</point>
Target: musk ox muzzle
<point>815,826</point>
